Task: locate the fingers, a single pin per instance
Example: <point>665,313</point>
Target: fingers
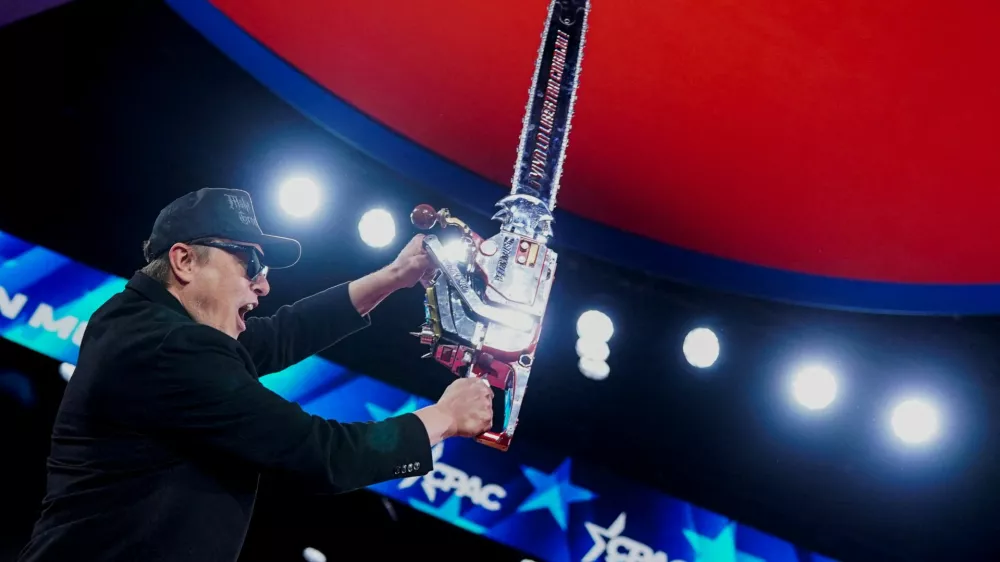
<point>422,263</point>
<point>483,402</point>
<point>415,246</point>
<point>482,387</point>
<point>413,257</point>
<point>473,398</point>
<point>487,404</point>
<point>473,381</point>
<point>487,419</point>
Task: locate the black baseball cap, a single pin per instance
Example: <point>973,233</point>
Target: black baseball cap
<point>214,212</point>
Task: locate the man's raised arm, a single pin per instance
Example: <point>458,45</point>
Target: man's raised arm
<point>314,323</point>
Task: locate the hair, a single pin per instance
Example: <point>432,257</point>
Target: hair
<point>159,267</point>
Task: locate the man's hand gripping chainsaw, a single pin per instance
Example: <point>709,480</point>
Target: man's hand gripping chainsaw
<point>484,308</point>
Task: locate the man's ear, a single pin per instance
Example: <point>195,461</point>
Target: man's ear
<point>183,262</point>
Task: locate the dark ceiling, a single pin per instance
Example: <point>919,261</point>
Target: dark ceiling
<point>111,109</point>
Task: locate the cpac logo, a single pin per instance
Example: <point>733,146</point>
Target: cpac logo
<point>617,548</point>
<point>447,479</point>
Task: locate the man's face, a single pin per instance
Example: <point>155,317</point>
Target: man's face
<point>220,289</point>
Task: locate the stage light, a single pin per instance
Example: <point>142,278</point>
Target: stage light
<point>299,197</point>
<point>595,325</point>
<point>593,349</point>
<point>814,387</point>
<point>377,228</point>
<point>594,369</point>
<point>310,554</point>
<point>594,329</point>
<point>915,422</point>
<point>66,371</point>
<point>701,348</point>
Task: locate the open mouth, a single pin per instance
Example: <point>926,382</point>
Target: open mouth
<point>244,310</point>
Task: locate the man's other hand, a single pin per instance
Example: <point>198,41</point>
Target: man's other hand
<point>465,410</point>
<point>469,402</point>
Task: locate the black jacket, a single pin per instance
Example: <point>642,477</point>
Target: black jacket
<point>164,430</point>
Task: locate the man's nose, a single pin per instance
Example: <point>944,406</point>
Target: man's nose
<point>261,286</point>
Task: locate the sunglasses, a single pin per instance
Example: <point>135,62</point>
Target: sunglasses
<point>250,255</point>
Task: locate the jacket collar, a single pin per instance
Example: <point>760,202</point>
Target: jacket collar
<point>152,290</point>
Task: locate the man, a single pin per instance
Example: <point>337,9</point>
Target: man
<point>164,428</point>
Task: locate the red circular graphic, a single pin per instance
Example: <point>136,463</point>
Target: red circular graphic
<point>850,138</point>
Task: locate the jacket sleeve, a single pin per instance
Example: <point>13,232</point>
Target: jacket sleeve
<point>302,329</point>
<point>196,391</point>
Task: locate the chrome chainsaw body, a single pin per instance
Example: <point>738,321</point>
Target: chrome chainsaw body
<point>484,310</point>
<point>485,306</point>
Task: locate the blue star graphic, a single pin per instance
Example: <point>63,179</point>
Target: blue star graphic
<point>720,549</point>
<point>553,492</point>
<point>378,413</point>
<point>449,511</point>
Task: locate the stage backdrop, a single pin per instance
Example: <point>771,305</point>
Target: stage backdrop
<point>534,500</point>
<point>838,153</point>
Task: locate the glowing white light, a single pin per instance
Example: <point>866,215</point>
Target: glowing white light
<point>299,197</point>
<point>66,371</point>
<point>915,422</point>
<point>377,228</point>
<point>593,349</point>
<point>595,325</point>
<point>310,554</point>
<point>594,369</point>
<point>814,387</point>
<point>701,348</point>
<point>457,250</point>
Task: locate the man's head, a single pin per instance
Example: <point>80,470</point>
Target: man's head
<point>207,249</point>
